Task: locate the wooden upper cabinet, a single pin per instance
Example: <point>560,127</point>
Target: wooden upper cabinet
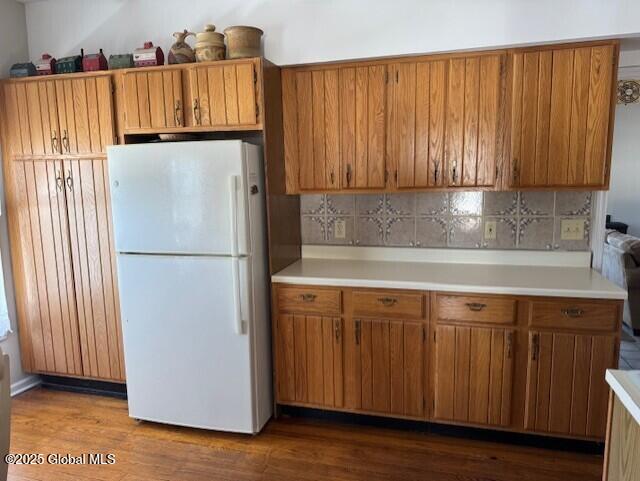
<point>153,99</point>
<point>32,118</point>
<point>474,120</point>
<point>59,117</point>
<point>85,111</point>
<point>417,123</point>
<point>566,389</point>
<point>224,96</point>
<point>334,128</point>
<point>561,116</point>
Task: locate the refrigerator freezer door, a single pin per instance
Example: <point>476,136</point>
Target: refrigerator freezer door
<point>177,198</point>
<point>186,364</point>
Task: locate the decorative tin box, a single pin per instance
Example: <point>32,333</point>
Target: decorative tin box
<point>124,60</point>
<point>70,64</point>
<point>22,70</point>
<point>94,61</point>
<point>46,65</point>
<point>148,56</point>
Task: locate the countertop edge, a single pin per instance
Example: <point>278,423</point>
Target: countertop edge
<point>429,286</point>
<point>622,393</point>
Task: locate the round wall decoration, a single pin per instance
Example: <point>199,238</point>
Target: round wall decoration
<point>628,91</point>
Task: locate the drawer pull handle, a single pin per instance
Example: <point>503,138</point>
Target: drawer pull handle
<point>573,312</point>
<point>336,328</point>
<point>388,301</point>
<point>357,333</point>
<point>475,306</point>
<point>308,297</point>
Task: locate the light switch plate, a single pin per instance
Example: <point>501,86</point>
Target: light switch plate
<point>490,229</point>
<point>340,229</point>
<point>572,229</point>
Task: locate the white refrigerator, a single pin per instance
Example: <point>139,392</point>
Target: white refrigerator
<point>189,226</point>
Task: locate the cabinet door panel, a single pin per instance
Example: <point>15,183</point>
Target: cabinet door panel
<point>31,113</point>
<point>561,116</point>
<point>85,114</point>
<point>474,374</point>
<point>95,280</point>
<point>473,122</point>
<point>390,355</point>
<point>224,95</point>
<point>566,390</point>
<point>153,99</point>
<point>363,120</point>
<point>16,119</point>
<point>46,268</point>
<point>309,360</point>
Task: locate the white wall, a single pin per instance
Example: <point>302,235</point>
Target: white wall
<point>624,195</point>
<point>13,48</point>
<point>300,31</point>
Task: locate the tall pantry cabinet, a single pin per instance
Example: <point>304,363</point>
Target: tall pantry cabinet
<point>55,133</point>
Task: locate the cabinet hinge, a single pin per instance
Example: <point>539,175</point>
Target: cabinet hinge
<point>424,334</point>
<point>255,77</point>
<point>386,76</point>
<point>397,76</point>
<point>497,173</point>
<point>434,336</point>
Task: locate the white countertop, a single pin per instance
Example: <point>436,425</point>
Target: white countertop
<point>626,385</point>
<point>452,277</point>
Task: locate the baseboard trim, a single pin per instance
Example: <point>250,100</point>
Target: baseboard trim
<point>25,384</point>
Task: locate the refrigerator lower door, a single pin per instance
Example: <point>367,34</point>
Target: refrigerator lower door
<point>186,363</point>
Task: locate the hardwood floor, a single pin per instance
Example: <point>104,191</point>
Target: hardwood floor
<point>46,421</point>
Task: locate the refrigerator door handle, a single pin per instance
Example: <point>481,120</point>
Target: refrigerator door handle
<point>237,309</point>
<point>233,203</point>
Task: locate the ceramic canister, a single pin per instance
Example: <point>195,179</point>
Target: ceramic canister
<point>243,41</point>
<point>210,45</point>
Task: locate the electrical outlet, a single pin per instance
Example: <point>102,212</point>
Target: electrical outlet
<point>490,229</point>
<point>340,229</point>
<point>572,229</point>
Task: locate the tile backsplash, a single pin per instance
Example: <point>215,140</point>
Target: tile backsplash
<point>523,220</point>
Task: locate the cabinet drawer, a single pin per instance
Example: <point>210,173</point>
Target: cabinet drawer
<point>388,304</point>
<point>491,310</point>
<point>591,316</point>
<point>310,299</point>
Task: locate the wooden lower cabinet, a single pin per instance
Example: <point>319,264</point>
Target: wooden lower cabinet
<point>64,268</point>
<point>566,389</point>
<point>516,363</point>
<point>309,356</point>
<point>473,374</point>
<point>384,366</point>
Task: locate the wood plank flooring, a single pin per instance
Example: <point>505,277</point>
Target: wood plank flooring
<point>46,421</point>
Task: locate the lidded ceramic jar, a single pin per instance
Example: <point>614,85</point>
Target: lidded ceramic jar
<point>243,41</point>
<point>209,45</point>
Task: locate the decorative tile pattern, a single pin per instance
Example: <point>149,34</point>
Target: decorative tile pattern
<point>524,220</point>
